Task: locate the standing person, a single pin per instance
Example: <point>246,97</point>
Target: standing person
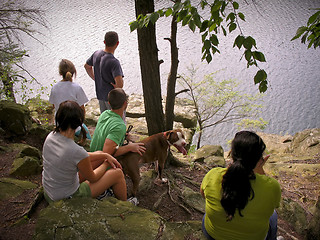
<point>63,160</point>
<point>66,89</point>
<point>240,199</point>
<point>105,70</point>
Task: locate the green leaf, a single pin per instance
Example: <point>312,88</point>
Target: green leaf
<point>241,16</point>
<point>214,40</point>
<point>299,32</point>
<point>154,17</point>
<point>204,25</point>
<point>207,44</point>
<point>232,27</point>
<point>313,18</point>
<point>168,12</point>
<point>263,86</point>
<point>182,15</point>
<point>192,26</point>
<point>248,55</point>
<point>216,6</point>
<point>248,42</point>
<point>238,41</point>
<point>197,20</point>
<point>231,17</point>
<point>133,25</point>
<point>209,58</point>
<point>235,5</point>
<point>260,76</point>
<point>224,31</point>
<point>186,20</point>
<point>259,56</point>
<point>204,36</point>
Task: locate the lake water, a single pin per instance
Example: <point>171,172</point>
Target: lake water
<point>291,104</point>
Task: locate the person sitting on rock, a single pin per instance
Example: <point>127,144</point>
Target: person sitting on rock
<point>63,160</point>
<point>241,199</point>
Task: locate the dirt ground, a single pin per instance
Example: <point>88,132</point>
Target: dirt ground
<point>170,207</point>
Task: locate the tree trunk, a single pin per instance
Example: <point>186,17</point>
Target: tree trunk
<point>172,78</point>
<point>7,85</point>
<point>150,74</point>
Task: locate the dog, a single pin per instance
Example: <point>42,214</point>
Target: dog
<point>157,147</point>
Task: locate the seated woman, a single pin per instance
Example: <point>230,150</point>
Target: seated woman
<point>64,160</point>
<point>240,199</point>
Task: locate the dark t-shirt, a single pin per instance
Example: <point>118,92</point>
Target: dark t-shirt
<point>106,67</point>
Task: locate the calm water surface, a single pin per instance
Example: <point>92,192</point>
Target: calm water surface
<point>291,104</point>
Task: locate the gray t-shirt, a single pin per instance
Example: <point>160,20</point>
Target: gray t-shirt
<point>66,90</point>
<point>60,172</point>
<point>106,67</point>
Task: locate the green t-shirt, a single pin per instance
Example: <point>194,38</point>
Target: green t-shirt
<point>110,125</point>
<point>255,221</point>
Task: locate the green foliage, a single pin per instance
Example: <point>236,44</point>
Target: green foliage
<point>311,32</point>
<point>218,102</point>
<point>220,19</point>
<point>14,20</point>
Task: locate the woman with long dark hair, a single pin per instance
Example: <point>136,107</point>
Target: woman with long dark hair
<point>240,199</point>
<point>64,160</point>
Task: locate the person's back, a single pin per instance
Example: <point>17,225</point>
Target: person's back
<point>254,223</point>
<point>110,125</point>
<point>240,201</point>
<point>105,70</point>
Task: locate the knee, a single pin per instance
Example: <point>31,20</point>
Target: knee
<point>118,173</point>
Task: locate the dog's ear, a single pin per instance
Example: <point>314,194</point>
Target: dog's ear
<point>168,134</point>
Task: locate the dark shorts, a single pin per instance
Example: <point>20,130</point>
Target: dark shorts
<point>83,191</point>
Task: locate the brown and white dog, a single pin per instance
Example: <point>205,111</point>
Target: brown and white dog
<point>157,147</point>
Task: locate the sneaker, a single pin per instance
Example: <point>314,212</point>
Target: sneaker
<point>105,194</point>
<point>133,200</point>
<point>280,238</point>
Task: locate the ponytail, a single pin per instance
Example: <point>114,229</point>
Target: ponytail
<point>246,150</point>
<point>68,76</point>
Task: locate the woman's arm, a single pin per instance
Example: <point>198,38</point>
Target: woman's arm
<point>85,166</point>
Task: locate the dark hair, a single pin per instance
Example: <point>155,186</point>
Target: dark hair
<point>116,98</point>
<point>69,115</point>
<point>67,69</point>
<point>246,150</point>
<point>111,38</point>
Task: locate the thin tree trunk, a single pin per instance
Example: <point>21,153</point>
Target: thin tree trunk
<point>172,78</point>
<point>150,73</point>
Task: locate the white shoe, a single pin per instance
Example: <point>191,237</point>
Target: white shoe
<point>133,200</point>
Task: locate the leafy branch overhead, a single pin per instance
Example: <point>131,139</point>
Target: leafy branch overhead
<point>224,16</point>
<point>311,32</point>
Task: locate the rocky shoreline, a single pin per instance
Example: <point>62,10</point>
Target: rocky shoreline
<point>294,162</point>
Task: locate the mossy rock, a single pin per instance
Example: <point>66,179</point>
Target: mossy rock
<point>14,118</point>
<point>26,166</point>
<point>10,187</point>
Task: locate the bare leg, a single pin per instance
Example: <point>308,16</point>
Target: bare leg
<point>113,178</point>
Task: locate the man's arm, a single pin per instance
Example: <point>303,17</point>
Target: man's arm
<point>112,148</point>
<point>118,82</point>
<point>89,70</point>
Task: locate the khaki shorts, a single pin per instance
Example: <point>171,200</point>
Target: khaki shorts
<point>83,191</point>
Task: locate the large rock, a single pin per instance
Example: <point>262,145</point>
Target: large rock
<point>14,118</point>
<point>294,214</point>
<point>108,219</point>
<point>313,230</point>
<point>212,155</point>
<point>28,161</point>
<point>306,142</point>
<point>10,187</point>
<point>184,111</point>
